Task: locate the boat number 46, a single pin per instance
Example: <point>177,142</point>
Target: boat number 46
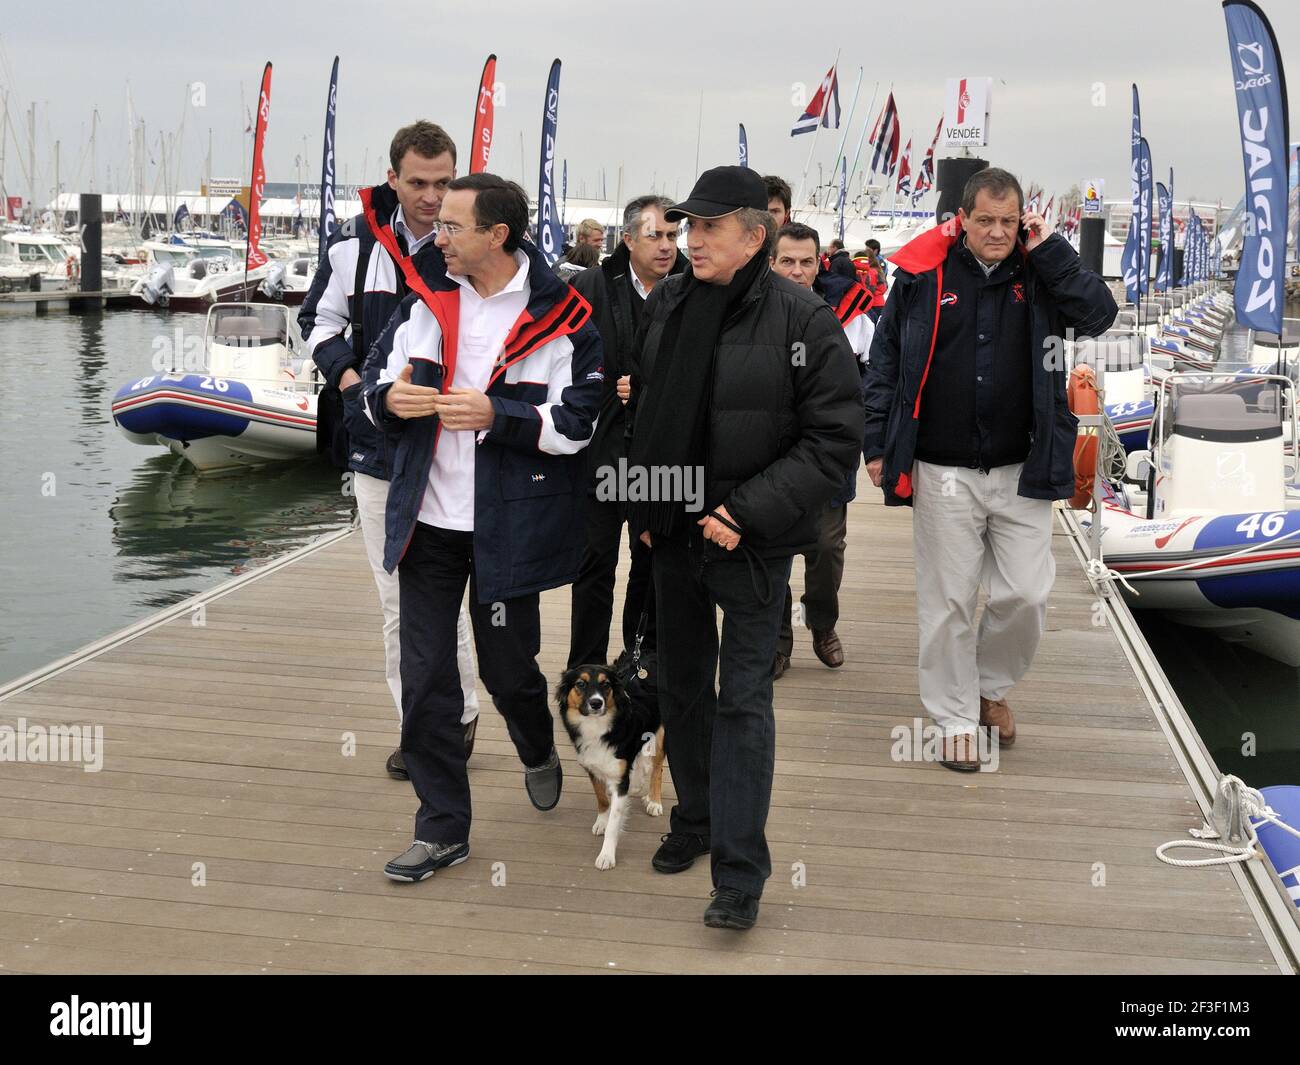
<point>1264,524</point>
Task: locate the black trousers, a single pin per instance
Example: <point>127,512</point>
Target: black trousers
<point>823,572</point>
<point>721,744</point>
<point>593,591</point>
<point>507,637</point>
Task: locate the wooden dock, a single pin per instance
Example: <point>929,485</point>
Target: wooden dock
<point>70,299</point>
<point>225,755</point>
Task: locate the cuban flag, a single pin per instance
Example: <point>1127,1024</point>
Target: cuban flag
<point>885,140</point>
<point>823,109</point>
<point>904,187</point>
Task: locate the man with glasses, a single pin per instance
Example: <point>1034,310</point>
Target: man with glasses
<point>617,290</point>
<point>490,382</point>
<point>356,289</point>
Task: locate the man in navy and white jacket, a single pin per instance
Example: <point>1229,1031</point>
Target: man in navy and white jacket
<point>491,381</point>
<point>355,292</point>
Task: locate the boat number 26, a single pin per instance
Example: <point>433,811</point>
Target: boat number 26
<point>1264,524</point>
<point>210,383</point>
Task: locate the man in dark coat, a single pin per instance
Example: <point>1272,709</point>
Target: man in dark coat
<point>746,415</point>
<point>968,421</point>
<point>617,290</point>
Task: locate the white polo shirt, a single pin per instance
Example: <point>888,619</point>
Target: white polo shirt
<point>400,226</point>
<point>448,501</point>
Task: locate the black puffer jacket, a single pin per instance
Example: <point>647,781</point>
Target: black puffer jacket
<point>618,312</point>
<point>786,418</point>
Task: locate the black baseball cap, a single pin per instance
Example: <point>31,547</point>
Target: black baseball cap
<point>721,191</point>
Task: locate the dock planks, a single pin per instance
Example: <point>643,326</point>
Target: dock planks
<point>224,745</point>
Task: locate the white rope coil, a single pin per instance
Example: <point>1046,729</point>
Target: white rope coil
<point>1255,807</point>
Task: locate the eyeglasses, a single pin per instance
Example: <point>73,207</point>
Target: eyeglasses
<point>453,230</point>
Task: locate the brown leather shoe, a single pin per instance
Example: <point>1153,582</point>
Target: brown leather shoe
<point>780,665</point>
<point>960,753</point>
<point>997,712</point>
<point>396,766</point>
<point>827,647</point>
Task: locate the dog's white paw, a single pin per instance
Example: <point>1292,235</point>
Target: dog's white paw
<point>605,860</point>
<point>598,829</point>
<point>654,809</point>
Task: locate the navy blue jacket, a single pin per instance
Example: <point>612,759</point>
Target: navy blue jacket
<point>529,477</point>
<point>1061,295</point>
<point>340,317</point>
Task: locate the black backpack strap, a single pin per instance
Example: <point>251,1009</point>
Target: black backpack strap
<point>358,301</point>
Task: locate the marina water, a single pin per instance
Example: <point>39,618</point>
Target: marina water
<point>100,532</point>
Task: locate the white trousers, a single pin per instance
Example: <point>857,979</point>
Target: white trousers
<point>372,499</point>
<point>971,529</point>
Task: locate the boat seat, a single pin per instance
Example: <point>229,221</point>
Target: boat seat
<point>1204,417</point>
<point>1119,347</point>
<point>247,326</point>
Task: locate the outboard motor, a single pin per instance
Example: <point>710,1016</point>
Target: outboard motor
<point>158,284</point>
<point>272,286</point>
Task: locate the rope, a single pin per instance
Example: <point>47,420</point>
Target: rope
<point>1099,571</point>
<point>1254,806</point>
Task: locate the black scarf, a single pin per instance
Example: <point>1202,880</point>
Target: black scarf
<point>672,418</point>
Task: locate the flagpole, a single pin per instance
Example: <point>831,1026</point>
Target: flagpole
<point>803,181</point>
<point>863,135</point>
<point>699,125</point>
<point>839,152</point>
<point>871,174</point>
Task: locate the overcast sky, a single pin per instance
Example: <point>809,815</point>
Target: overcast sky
<point>631,84</point>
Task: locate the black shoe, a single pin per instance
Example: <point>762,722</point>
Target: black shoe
<point>731,908</point>
<point>470,730</point>
<point>543,782</point>
<point>780,665</point>
<point>396,766</point>
<point>678,850</point>
<point>421,860</point>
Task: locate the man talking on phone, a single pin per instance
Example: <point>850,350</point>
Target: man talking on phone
<point>968,423</point>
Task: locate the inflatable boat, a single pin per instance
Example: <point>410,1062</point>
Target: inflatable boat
<point>1205,525</point>
<point>252,402</point>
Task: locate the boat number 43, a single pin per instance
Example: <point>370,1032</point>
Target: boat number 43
<point>1264,524</point>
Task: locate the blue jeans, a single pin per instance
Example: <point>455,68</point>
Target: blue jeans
<point>721,745</point>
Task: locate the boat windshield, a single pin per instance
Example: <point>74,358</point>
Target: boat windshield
<point>244,326</point>
<point>38,253</point>
<point>1239,411</point>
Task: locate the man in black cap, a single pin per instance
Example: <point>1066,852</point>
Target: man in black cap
<point>746,390</point>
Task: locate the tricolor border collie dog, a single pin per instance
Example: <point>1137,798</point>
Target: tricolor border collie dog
<point>620,743</point>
